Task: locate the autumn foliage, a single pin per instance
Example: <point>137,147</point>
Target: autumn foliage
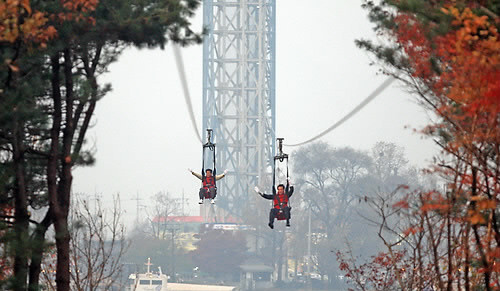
<point>22,25</point>
<point>18,21</point>
<point>379,273</point>
<point>462,70</point>
<point>449,55</point>
<point>78,10</point>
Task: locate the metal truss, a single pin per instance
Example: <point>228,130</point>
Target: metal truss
<point>239,93</point>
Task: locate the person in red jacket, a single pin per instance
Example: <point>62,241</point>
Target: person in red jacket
<point>208,184</point>
<point>280,202</point>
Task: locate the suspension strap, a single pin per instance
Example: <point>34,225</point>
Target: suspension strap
<point>214,169</point>
<point>210,146</point>
<point>280,157</point>
<point>287,183</point>
<point>274,177</point>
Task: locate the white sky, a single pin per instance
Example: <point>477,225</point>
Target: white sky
<point>144,138</point>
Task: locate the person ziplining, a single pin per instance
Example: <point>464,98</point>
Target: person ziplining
<point>280,209</point>
<point>281,194</point>
<point>209,188</point>
<point>208,176</point>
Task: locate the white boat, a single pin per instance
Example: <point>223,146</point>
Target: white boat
<point>148,281</point>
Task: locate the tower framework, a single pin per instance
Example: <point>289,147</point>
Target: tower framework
<point>239,93</point>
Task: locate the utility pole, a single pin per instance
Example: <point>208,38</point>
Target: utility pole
<point>97,198</point>
<point>309,283</point>
<point>137,199</point>
<point>184,202</point>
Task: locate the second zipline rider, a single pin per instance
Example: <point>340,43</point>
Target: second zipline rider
<point>281,209</point>
<point>281,194</point>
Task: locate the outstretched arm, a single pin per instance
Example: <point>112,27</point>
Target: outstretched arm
<point>218,177</point>
<point>196,174</point>
<point>266,196</point>
<point>290,191</point>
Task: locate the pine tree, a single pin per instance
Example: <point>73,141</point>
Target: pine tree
<point>49,95</point>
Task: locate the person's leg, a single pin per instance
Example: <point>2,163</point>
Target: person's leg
<point>211,193</point>
<point>272,215</point>
<point>202,193</point>
<point>287,215</point>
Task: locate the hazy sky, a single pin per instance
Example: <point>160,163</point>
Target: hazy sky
<point>142,131</point>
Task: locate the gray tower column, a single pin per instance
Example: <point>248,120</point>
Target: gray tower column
<point>239,93</point>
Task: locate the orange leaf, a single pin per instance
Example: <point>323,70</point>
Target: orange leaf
<point>477,218</point>
<point>401,204</point>
<point>486,204</point>
<point>26,5</point>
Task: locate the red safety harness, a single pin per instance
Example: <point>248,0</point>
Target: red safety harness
<point>280,201</point>
<point>209,182</point>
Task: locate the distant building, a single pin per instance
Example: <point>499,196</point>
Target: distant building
<point>185,223</point>
<point>188,227</point>
<point>255,275</point>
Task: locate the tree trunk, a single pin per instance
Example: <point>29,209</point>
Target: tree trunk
<point>467,258</point>
<point>62,245</point>
<point>38,243</point>
<point>57,192</point>
<point>21,217</point>
<point>65,180</point>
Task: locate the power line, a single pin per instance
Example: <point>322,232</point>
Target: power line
<point>187,96</point>
<point>367,100</point>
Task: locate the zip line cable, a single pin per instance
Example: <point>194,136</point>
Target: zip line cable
<point>367,100</point>
<point>187,97</point>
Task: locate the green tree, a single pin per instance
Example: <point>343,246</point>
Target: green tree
<point>23,127</point>
<point>50,97</point>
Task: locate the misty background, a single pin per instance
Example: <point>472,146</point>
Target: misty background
<point>144,140</point>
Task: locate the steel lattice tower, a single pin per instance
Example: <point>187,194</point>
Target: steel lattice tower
<point>239,93</point>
